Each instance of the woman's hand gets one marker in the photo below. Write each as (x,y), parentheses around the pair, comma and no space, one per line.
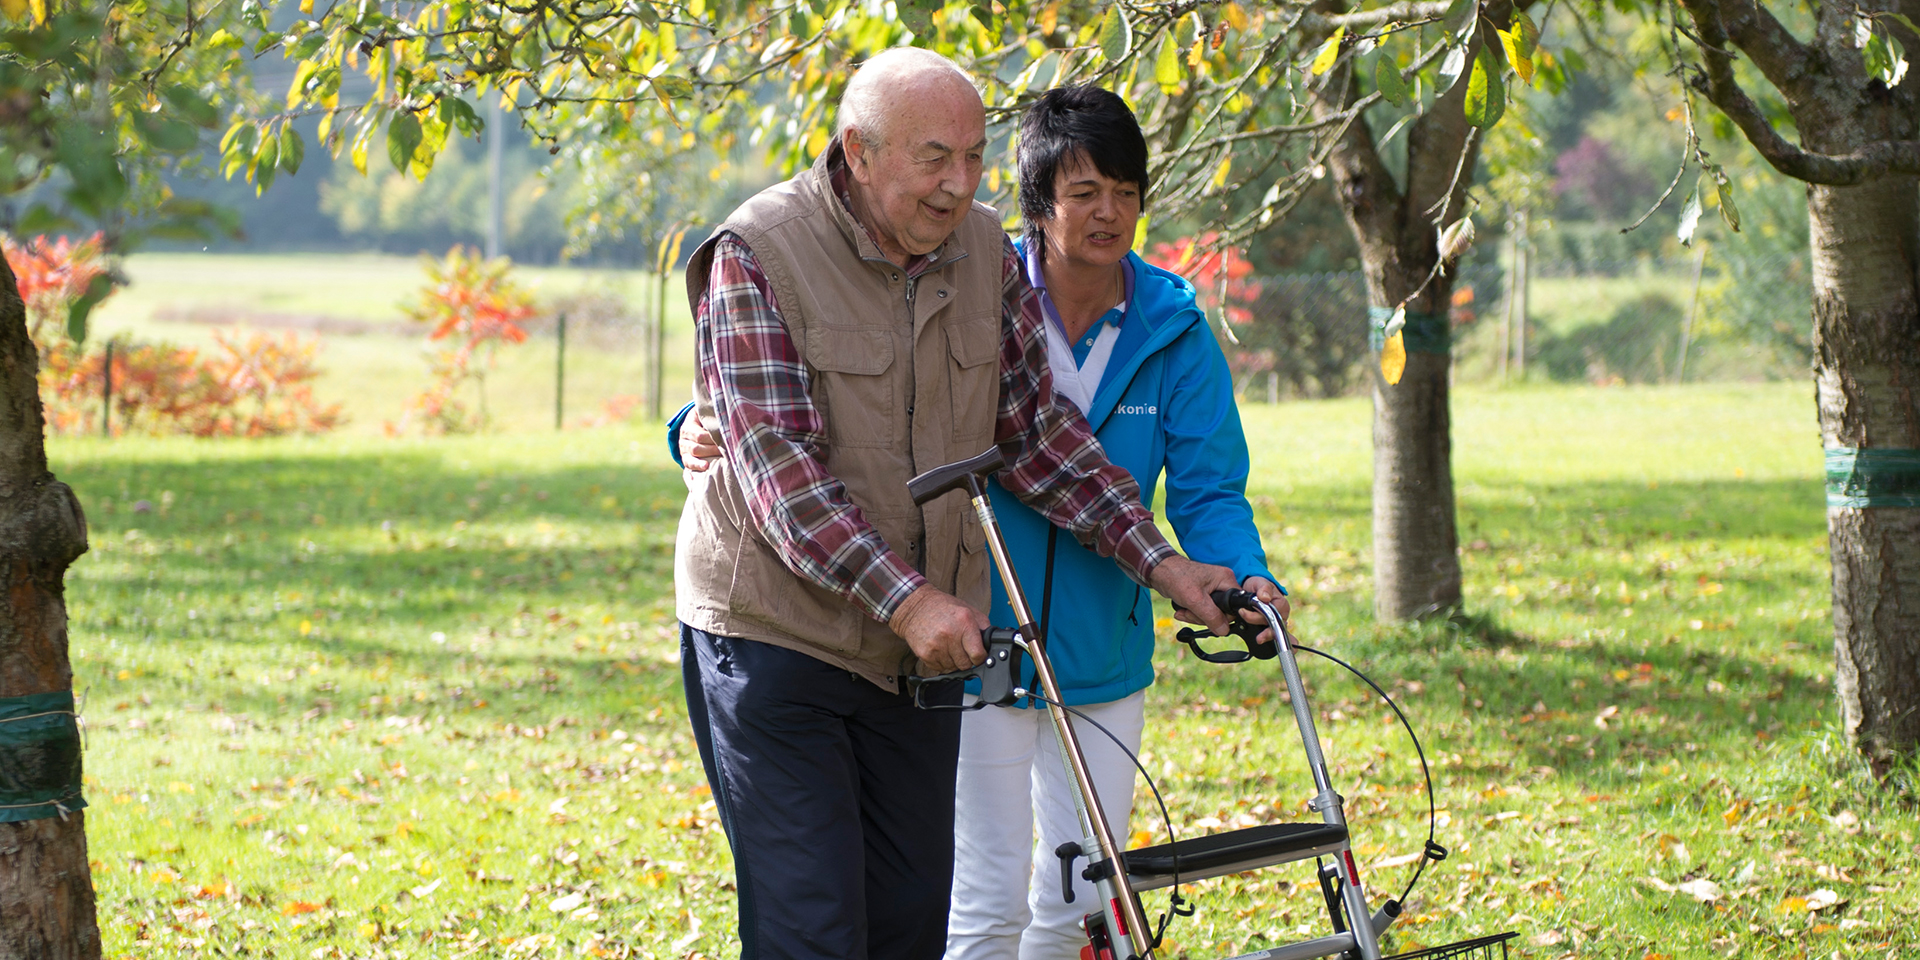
(1268,591)
(698,446)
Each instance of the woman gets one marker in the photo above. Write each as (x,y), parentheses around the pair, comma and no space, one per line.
(1129,347)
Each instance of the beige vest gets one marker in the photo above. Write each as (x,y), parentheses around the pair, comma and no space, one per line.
(906,375)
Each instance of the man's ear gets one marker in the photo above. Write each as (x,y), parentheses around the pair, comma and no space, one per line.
(859,155)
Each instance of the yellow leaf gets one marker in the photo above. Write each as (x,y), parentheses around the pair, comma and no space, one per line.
(39,12)
(1329,52)
(1220,172)
(14,9)
(817,142)
(1140,233)
(1235,16)
(306,6)
(1393,358)
(298,907)
(1517,56)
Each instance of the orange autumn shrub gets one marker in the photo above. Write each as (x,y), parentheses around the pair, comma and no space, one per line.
(249,385)
(472,305)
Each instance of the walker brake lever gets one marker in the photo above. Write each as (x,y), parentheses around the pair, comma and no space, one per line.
(1232,603)
(999,673)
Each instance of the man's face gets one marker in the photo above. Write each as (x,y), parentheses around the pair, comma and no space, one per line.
(913,190)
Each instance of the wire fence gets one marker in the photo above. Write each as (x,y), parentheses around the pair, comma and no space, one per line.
(1713,316)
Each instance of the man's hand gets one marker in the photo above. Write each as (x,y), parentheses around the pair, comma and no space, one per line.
(1190,586)
(698,446)
(942,631)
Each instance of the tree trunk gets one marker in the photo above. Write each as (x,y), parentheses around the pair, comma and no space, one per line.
(1866,330)
(1416,563)
(46,886)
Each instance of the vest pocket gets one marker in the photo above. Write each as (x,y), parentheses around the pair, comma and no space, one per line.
(851,387)
(973,344)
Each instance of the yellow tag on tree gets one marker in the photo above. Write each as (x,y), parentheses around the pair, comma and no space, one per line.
(1393,357)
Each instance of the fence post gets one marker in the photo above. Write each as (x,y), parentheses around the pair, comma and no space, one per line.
(106,394)
(560,373)
(1525,251)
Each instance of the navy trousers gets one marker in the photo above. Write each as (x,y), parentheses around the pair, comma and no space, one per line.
(837,799)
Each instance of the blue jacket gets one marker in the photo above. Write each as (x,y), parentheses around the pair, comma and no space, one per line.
(1167,407)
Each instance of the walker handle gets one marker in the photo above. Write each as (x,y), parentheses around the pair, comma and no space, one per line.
(1233,603)
(955,476)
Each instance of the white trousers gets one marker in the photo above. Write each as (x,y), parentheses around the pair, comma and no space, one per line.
(1007,901)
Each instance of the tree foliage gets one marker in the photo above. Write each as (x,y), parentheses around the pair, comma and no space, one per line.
(1224,90)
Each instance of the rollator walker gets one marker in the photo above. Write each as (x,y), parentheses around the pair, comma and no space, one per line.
(1116,927)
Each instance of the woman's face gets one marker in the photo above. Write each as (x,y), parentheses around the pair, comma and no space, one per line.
(1093,217)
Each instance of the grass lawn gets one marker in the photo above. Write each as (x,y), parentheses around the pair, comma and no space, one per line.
(368,698)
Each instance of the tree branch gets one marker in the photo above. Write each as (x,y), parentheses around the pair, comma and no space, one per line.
(1716,82)
(1780,58)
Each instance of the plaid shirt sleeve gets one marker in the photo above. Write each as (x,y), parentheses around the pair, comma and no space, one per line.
(1060,469)
(772,435)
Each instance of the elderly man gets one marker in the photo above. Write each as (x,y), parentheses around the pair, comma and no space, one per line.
(857,324)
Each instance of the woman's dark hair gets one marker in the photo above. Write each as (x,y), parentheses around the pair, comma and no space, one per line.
(1069,125)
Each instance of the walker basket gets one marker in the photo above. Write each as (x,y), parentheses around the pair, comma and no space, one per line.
(1479,948)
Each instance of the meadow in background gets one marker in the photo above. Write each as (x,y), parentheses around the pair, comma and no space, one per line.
(366,697)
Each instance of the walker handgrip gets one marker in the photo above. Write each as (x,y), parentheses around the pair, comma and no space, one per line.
(954,476)
(1233,601)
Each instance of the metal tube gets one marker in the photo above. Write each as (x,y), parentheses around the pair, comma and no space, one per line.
(1327,802)
(1087,799)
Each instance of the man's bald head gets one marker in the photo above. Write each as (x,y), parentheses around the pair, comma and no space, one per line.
(891,78)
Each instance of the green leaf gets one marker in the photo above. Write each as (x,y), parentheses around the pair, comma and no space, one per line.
(165,134)
(1166,67)
(678,88)
(1329,52)
(1386,78)
(1689,217)
(1879,60)
(1728,212)
(1459,18)
(1527,31)
(460,115)
(191,106)
(266,160)
(82,306)
(1486,91)
(917,15)
(403,137)
(236,148)
(306,46)
(1903,21)
(293,148)
(1116,34)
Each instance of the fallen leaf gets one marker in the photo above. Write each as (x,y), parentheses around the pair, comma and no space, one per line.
(298,907)
(424,890)
(1703,890)
(568,902)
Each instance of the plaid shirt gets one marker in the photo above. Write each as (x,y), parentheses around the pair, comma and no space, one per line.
(773,436)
